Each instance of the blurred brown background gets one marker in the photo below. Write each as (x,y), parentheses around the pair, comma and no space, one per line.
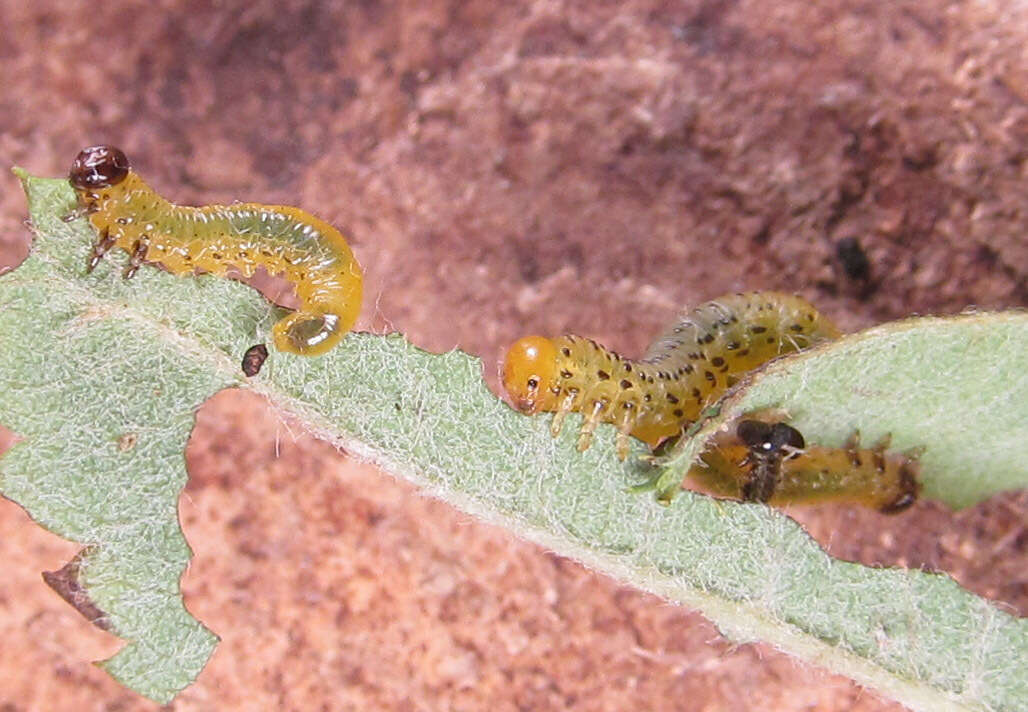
(505,168)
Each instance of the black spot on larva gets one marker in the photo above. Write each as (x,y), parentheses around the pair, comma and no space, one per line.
(626,384)
(602,375)
(565,374)
(628,368)
(647,397)
(758,329)
(710,376)
(744,352)
(688,368)
(709,338)
(718,361)
(678,413)
(671,398)
(796,327)
(696,393)
(731,345)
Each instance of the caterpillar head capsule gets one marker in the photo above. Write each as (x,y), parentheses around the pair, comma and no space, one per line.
(528,373)
(769,438)
(98,167)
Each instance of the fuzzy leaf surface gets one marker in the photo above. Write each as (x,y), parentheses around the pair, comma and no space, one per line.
(100,378)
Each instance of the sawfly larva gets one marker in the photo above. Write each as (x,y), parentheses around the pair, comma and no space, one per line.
(770,462)
(688,368)
(310,254)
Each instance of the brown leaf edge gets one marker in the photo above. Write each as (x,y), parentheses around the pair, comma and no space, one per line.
(65,582)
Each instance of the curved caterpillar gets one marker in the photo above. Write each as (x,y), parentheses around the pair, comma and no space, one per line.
(769,462)
(308,252)
(684,371)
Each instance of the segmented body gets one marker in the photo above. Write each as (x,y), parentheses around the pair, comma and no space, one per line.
(684,371)
(306,251)
(780,471)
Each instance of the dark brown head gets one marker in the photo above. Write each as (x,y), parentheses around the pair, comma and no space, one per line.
(769,438)
(98,167)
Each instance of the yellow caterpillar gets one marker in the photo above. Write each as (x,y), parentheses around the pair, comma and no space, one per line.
(684,371)
(769,462)
(308,252)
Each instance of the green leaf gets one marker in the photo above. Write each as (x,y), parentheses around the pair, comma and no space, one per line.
(956,386)
(100,378)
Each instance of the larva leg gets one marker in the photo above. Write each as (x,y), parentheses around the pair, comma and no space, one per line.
(589,423)
(621,445)
(307,333)
(100,248)
(899,475)
(137,258)
(566,406)
(852,444)
(79,211)
(625,426)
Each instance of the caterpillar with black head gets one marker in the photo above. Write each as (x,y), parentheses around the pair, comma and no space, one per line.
(685,370)
(308,252)
(761,461)
(768,444)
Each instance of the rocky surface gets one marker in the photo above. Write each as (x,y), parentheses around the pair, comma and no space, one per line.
(502,169)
